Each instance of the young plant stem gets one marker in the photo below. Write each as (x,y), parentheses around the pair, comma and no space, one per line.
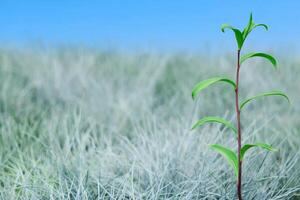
(238,119)
(236,160)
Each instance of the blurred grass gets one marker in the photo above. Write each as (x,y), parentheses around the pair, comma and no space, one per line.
(90,124)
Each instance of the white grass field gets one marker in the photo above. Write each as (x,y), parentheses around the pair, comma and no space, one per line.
(88,124)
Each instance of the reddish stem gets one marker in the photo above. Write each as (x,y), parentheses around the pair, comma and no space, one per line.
(238,118)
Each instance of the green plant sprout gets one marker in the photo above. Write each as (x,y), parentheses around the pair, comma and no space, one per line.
(236,160)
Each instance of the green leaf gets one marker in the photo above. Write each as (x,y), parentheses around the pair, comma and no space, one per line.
(272,93)
(204,84)
(229,155)
(263,25)
(237,33)
(263,55)
(216,120)
(248,28)
(246,147)
(251,25)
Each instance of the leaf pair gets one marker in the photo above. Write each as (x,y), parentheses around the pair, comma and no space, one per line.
(241,36)
(204,84)
(231,157)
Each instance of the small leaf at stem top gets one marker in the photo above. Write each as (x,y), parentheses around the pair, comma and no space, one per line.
(248,28)
(251,25)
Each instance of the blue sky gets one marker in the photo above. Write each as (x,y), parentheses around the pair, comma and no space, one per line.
(166,24)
